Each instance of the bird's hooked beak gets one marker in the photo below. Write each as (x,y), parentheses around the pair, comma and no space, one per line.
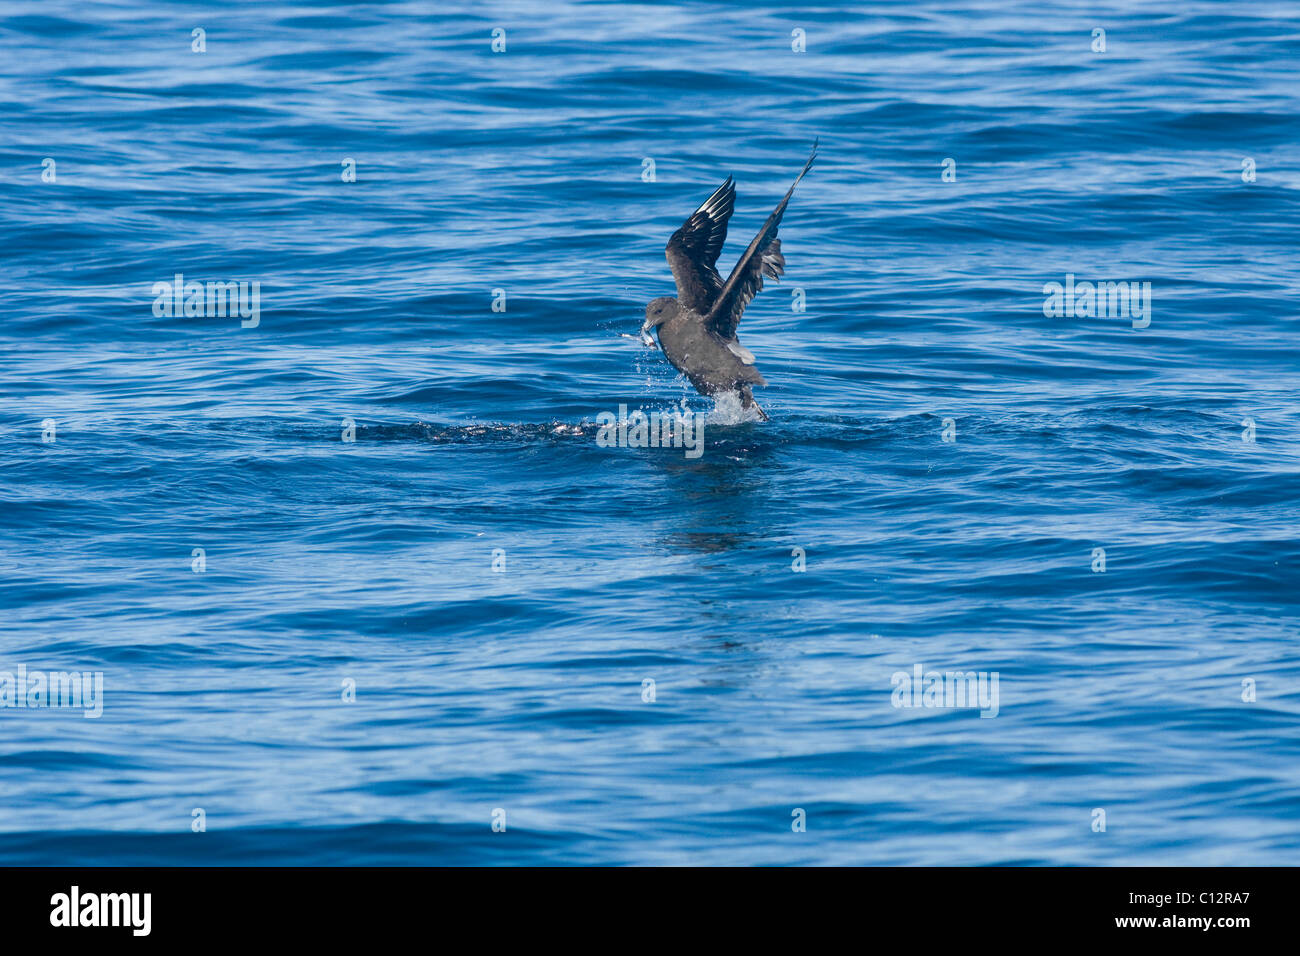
(646,339)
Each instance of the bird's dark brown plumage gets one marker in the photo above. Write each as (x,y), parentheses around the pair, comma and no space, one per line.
(697,329)
(693,250)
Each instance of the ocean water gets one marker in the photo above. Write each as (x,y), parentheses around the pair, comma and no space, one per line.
(323,651)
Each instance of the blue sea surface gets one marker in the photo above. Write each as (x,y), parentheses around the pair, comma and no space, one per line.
(629,655)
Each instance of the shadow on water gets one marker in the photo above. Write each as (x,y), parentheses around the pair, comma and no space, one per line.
(723,500)
(727,499)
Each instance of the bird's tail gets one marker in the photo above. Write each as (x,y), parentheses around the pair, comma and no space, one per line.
(747,401)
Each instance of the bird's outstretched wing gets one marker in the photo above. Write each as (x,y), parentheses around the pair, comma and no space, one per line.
(762,258)
(693,250)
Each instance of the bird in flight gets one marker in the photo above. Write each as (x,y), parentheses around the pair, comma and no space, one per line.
(697,328)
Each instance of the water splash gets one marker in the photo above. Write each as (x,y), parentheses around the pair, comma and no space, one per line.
(728,410)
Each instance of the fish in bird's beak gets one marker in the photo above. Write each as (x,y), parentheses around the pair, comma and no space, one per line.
(644,336)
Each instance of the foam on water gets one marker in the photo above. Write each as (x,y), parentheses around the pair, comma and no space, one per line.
(728,410)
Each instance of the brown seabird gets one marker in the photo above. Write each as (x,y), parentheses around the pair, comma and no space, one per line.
(697,329)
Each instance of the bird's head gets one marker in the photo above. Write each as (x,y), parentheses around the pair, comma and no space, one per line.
(658,312)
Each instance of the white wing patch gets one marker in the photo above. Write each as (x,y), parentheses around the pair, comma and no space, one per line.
(742,353)
(773,261)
